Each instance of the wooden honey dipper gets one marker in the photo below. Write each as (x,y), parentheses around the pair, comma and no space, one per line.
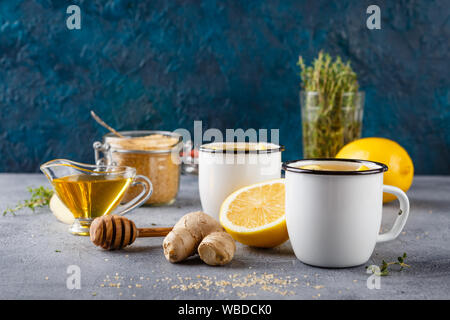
(116,232)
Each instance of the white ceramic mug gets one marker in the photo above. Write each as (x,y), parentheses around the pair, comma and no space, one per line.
(334,217)
(228,166)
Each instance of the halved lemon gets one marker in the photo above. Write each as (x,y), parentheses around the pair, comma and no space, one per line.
(254,215)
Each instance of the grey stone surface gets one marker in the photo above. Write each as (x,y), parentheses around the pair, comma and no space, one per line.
(36,250)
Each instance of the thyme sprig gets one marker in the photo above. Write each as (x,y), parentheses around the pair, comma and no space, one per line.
(40,197)
(329,78)
(384,268)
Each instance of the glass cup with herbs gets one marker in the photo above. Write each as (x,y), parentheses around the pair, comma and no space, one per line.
(331,106)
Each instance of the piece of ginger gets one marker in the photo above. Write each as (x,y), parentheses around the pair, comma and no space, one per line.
(197,232)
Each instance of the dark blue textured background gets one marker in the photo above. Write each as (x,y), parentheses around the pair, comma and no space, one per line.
(164,64)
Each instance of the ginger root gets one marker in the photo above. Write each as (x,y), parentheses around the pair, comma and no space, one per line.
(199,232)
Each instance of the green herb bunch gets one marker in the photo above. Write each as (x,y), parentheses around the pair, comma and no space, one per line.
(40,197)
(331,112)
(384,268)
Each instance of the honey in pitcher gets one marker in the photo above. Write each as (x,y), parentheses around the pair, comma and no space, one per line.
(91,196)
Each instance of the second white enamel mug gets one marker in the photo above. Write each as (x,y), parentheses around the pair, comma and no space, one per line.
(334,217)
(225,167)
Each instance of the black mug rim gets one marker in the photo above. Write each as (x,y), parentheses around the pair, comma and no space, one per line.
(275,148)
(382,167)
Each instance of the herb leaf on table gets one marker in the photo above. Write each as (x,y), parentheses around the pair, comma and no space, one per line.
(40,197)
(384,268)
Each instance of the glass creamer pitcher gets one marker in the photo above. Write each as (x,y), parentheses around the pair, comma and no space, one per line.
(91,191)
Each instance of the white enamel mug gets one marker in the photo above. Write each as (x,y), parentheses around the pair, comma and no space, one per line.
(227,166)
(334,217)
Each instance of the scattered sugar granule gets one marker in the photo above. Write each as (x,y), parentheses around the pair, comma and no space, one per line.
(318,287)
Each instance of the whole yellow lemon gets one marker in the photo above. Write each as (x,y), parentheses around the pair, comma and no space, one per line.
(401,168)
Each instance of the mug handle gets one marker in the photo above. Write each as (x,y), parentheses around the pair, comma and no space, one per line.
(141,197)
(400,221)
